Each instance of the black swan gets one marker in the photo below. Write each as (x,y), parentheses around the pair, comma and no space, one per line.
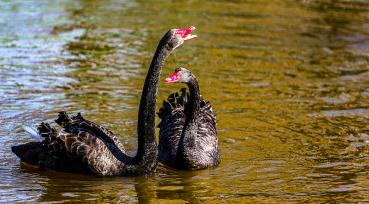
(85,147)
(188,136)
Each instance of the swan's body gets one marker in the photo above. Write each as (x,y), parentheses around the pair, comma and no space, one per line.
(83,146)
(188,136)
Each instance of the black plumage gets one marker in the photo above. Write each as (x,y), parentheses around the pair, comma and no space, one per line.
(188,136)
(82,146)
(79,146)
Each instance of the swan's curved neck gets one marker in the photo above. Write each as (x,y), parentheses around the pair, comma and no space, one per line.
(195,99)
(188,138)
(147,154)
(146,157)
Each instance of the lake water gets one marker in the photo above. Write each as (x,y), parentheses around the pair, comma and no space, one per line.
(288,80)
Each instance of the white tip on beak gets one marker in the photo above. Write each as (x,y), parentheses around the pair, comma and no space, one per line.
(189,37)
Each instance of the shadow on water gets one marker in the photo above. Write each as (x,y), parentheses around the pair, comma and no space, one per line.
(288,81)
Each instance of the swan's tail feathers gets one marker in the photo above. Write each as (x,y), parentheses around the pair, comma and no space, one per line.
(66,121)
(35,152)
(174,105)
(174,101)
(47,132)
(178,103)
(32,131)
(63,119)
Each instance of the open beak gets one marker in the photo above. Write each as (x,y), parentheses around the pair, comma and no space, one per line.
(186,33)
(172,79)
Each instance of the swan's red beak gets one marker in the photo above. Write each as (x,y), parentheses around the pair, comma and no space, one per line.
(172,79)
(186,33)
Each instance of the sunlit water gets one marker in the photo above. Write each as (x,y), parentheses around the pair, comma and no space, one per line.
(288,80)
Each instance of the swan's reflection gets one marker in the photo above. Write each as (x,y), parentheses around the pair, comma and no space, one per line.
(165,184)
(62,187)
(188,186)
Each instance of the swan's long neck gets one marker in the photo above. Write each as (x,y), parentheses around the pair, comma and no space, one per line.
(147,154)
(195,99)
(188,139)
(146,157)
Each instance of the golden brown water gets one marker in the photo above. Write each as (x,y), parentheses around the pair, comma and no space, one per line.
(288,80)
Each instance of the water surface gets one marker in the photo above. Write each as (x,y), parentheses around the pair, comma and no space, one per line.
(288,80)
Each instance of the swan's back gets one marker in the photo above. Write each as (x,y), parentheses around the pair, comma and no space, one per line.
(77,147)
(173,117)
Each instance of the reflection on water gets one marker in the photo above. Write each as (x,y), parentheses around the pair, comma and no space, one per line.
(289,81)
